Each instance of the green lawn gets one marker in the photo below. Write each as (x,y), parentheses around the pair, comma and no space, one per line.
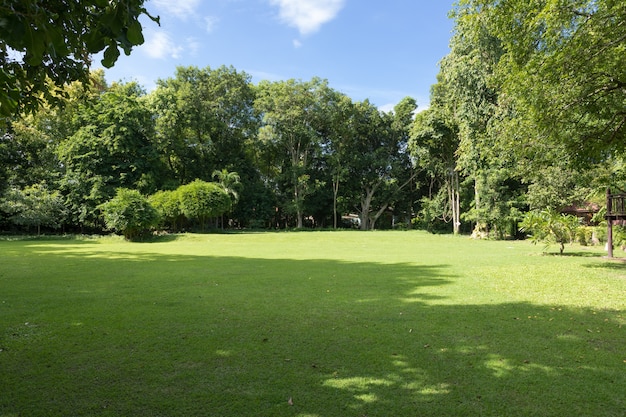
(342,323)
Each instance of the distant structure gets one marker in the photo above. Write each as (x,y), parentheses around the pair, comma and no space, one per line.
(615,210)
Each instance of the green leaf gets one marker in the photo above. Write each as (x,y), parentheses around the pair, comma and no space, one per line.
(58,46)
(110,56)
(95,42)
(34,46)
(134,34)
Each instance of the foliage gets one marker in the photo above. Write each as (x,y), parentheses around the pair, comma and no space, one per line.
(167,205)
(230,182)
(35,206)
(377,163)
(129,213)
(110,147)
(26,155)
(550,226)
(201,201)
(52,42)
(557,187)
(564,70)
(433,144)
(204,120)
(292,118)
(519,119)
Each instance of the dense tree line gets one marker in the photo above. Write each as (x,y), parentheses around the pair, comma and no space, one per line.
(285,154)
(527,114)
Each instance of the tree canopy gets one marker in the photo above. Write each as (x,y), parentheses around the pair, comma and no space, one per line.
(527,115)
(51,42)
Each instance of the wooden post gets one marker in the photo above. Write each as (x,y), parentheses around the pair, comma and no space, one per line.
(609,223)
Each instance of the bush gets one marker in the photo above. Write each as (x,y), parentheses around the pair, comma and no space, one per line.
(200,201)
(167,204)
(550,226)
(129,213)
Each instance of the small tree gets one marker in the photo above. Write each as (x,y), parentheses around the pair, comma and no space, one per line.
(550,226)
(231,183)
(167,204)
(34,206)
(200,201)
(129,213)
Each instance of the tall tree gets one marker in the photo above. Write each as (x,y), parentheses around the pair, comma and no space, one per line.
(472,97)
(377,160)
(292,114)
(337,149)
(433,146)
(112,148)
(204,121)
(564,71)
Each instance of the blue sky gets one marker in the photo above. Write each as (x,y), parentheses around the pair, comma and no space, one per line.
(367,49)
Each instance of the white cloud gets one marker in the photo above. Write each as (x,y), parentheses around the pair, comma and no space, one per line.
(180,8)
(259,75)
(307,15)
(297,43)
(193,45)
(159,45)
(387,107)
(210,23)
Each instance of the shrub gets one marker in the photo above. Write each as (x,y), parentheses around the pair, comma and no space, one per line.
(129,213)
(201,201)
(550,226)
(167,204)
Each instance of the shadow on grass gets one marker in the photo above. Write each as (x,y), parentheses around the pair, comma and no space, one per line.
(148,334)
(577,254)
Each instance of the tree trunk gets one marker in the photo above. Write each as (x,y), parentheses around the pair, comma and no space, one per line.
(366,203)
(335,193)
(377,216)
(455,203)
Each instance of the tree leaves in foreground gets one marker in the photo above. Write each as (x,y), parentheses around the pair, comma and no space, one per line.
(564,69)
(51,42)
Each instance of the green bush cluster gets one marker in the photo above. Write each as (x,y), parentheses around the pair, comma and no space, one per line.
(133,214)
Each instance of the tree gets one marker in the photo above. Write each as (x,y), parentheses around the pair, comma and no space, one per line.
(292,115)
(550,226)
(231,183)
(34,206)
(112,147)
(337,147)
(470,91)
(129,213)
(204,120)
(27,154)
(201,201)
(52,41)
(167,205)
(564,71)
(433,145)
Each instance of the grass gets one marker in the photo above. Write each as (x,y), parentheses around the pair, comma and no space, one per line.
(309,324)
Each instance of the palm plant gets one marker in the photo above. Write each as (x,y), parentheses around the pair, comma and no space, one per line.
(231,183)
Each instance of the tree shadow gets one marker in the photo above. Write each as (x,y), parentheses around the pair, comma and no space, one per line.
(617,264)
(576,254)
(180,335)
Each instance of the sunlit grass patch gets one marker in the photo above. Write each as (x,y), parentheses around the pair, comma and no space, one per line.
(340,323)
